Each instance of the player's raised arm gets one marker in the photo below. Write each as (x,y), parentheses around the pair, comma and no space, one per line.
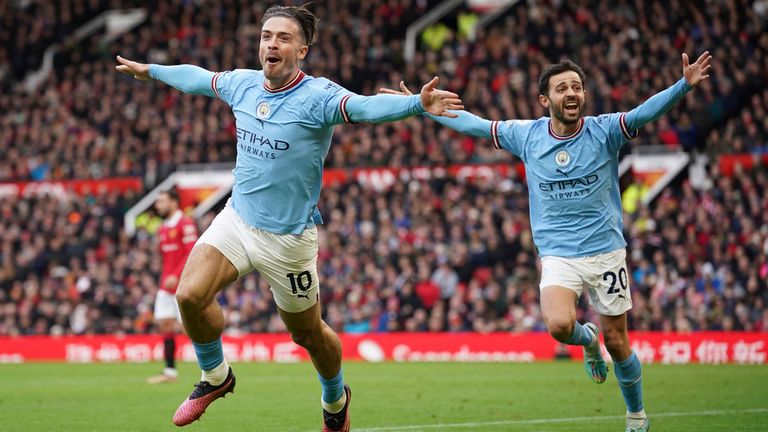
(661,102)
(383,107)
(187,78)
(461,121)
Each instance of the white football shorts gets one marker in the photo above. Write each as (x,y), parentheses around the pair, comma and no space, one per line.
(604,276)
(287,261)
(166,306)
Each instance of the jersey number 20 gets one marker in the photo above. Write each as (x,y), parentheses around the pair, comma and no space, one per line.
(622,278)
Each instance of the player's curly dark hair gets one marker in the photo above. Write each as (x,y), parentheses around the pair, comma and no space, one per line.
(303,16)
(563,66)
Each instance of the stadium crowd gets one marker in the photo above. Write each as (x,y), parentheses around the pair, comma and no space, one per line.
(436,255)
(423,256)
(28,27)
(106,126)
(745,133)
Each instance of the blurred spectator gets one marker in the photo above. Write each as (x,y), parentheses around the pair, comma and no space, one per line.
(633,195)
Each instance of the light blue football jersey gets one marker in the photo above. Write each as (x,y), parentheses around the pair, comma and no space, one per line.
(573,182)
(283,137)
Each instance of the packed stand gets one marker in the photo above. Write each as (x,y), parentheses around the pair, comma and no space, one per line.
(28,28)
(457,257)
(108,125)
(745,133)
(100,124)
(629,52)
(436,255)
(67,266)
(699,259)
(423,256)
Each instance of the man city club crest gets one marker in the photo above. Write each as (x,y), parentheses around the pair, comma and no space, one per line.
(562,158)
(263,110)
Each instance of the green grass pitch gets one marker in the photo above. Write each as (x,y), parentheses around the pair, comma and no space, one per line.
(387,397)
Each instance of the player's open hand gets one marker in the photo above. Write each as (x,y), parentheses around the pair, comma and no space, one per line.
(435,101)
(140,71)
(698,71)
(438,102)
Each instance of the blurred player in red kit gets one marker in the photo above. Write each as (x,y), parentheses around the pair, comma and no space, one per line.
(177,236)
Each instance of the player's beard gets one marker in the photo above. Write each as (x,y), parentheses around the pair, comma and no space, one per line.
(558,112)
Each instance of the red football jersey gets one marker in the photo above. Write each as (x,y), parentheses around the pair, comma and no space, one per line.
(177,235)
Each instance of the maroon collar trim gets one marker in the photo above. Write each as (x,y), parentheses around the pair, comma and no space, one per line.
(556,136)
(291,84)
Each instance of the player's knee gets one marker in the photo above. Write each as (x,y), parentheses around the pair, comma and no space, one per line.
(302,338)
(305,338)
(559,328)
(189,298)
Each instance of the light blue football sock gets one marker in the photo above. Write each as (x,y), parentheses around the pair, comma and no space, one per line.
(333,388)
(630,382)
(580,336)
(209,355)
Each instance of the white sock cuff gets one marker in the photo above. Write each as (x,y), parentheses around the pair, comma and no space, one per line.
(337,406)
(217,375)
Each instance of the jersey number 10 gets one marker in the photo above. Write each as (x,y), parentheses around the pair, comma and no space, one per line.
(302,281)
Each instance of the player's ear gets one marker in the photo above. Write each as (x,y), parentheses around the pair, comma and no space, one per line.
(544,101)
(303,52)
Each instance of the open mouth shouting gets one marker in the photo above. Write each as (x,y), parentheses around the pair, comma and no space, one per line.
(571,107)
